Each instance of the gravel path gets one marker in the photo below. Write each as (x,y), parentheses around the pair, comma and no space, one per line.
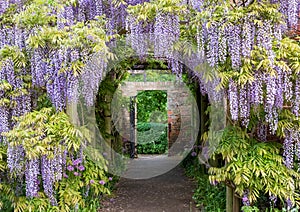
(170,192)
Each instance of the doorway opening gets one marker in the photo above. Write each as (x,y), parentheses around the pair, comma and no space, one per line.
(152,122)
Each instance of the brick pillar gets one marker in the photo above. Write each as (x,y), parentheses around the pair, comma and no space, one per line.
(179,121)
(174,122)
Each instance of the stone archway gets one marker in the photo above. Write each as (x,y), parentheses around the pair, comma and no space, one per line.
(180,113)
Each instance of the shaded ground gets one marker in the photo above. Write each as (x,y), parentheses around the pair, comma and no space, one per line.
(170,192)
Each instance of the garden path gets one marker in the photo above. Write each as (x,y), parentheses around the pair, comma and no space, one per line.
(169,192)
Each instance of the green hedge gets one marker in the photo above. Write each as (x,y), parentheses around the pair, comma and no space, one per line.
(152,138)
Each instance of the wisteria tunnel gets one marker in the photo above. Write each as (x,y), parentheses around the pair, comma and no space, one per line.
(149,105)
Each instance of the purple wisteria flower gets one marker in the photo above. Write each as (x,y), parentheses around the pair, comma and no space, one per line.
(194,154)
(245,199)
(233,100)
(76,173)
(289,204)
(77,162)
(288,148)
(70,168)
(90,37)
(81,168)
(102,182)
(92,181)
(273,199)
(214,183)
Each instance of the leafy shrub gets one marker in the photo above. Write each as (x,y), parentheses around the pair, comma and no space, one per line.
(208,197)
(254,166)
(152,138)
(142,127)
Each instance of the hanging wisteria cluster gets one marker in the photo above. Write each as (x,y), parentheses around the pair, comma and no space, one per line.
(274,87)
(162,33)
(139,35)
(236,40)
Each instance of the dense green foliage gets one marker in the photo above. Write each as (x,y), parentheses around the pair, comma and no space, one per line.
(152,76)
(152,106)
(105,95)
(255,166)
(208,197)
(152,118)
(152,138)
